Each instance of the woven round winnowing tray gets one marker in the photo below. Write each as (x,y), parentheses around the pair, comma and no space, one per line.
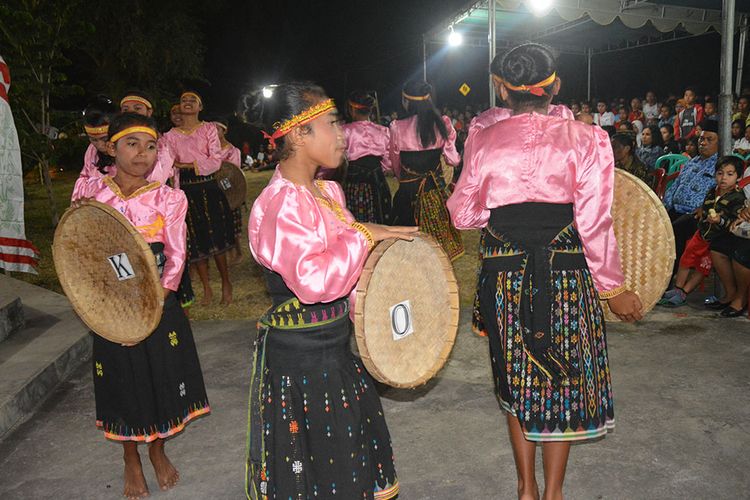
(108,272)
(232,181)
(645,238)
(406,311)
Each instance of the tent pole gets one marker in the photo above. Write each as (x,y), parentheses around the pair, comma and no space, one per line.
(725,95)
(424,57)
(588,81)
(491,38)
(741,55)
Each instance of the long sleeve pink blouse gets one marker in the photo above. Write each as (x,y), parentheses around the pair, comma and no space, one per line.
(308,241)
(200,147)
(405,137)
(537,158)
(364,138)
(231,154)
(161,172)
(496,114)
(156,211)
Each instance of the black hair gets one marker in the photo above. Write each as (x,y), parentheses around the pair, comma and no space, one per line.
(628,125)
(99,111)
(428,116)
(735,161)
(741,123)
(690,140)
(363,98)
(744,96)
(656,138)
(625,140)
(610,130)
(691,89)
(287,100)
(528,64)
(122,121)
(668,127)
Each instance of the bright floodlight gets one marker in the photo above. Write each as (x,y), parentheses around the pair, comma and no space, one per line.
(267,92)
(454,38)
(539,7)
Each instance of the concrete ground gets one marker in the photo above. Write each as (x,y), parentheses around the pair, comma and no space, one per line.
(681,401)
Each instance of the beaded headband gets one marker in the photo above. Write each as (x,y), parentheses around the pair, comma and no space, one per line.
(357,105)
(136,98)
(308,115)
(536,89)
(133,130)
(102,129)
(415,97)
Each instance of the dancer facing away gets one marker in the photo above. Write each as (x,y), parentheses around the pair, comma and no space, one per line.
(368,196)
(417,144)
(316,427)
(197,150)
(542,187)
(149,391)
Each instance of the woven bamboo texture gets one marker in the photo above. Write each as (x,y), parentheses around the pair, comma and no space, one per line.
(645,238)
(123,311)
(420,272)
(232,181)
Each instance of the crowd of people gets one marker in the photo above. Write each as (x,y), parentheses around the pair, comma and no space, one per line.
(327,205)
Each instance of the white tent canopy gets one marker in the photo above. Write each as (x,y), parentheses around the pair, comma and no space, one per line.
(589,27)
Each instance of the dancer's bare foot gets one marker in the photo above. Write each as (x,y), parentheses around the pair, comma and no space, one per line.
(208,297)
(226,294)
(135,483)
(166,474)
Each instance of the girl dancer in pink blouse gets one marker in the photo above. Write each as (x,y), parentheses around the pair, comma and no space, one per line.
(417,144)
(542,187)
(316,427)
(368,196)
(197,151)
(149,391)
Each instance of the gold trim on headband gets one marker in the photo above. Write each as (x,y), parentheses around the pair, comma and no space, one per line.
(200,101)
(306,116)
(527,88)
(102,129)
(133,130)
(136,98)
(415,97)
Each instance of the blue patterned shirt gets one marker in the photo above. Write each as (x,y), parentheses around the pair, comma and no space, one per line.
(690,187)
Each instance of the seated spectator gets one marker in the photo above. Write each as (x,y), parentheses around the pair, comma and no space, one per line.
(742,145)
(741,257)
(651,107)
(666,117)
(712,245)
(623,147)
(685,195)
(635,111)
(652,147)
(625,126)
(610,130)
(690,147)
(667,138)
(688,118)
(622,115)
(586,118)
(738,136)
(575,107)
(743,109)
(603,117)
(709,109)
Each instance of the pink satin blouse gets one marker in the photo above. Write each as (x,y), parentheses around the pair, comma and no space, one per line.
(200,147)
(494,115)
(157,212)
(404,137)
(308,241)
(537,158)
(364,138)
(231,154)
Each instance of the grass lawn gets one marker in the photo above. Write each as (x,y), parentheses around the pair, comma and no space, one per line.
(250,297)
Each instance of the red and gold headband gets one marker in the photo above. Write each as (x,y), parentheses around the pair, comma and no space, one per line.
(100,130)
(357,105)
(136,98)
(200,101)
(305,117)
(174,107)
(536,89)
(415,97)
(133,130)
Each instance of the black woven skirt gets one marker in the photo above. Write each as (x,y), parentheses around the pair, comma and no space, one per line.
(211,225)
(316,427)
(153,389)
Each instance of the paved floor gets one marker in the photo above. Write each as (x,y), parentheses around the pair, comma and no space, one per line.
(682,407)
